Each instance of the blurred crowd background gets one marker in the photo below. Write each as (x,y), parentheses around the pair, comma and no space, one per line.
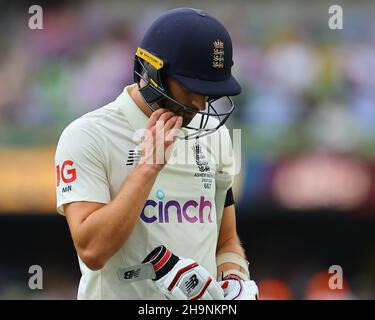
(306,192)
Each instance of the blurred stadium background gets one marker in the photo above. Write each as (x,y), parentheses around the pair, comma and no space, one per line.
(306,193)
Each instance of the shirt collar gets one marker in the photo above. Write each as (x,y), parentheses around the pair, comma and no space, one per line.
(137,119)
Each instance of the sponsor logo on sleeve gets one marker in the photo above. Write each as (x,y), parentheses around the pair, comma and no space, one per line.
(67,174)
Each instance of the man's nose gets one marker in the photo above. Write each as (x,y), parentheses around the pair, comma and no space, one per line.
(199,102)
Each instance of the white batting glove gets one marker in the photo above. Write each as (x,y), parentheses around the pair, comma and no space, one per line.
(180,278)
(237,289)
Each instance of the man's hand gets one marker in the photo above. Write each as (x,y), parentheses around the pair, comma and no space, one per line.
(182,279)
(158,138)
(238,289)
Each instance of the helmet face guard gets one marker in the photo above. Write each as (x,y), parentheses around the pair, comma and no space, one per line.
(148,68)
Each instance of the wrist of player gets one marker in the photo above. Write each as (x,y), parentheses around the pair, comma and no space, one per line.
(151,169)
(236,281)
(180,278)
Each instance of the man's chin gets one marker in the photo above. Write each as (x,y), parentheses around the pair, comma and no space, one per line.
(187,121)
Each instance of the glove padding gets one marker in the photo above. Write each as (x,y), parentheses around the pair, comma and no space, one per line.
(238,289)
(180,278)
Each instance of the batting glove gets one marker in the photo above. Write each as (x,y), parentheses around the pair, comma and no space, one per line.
(180,278)
(237,289)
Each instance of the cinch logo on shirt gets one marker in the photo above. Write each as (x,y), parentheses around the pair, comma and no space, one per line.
(164,209)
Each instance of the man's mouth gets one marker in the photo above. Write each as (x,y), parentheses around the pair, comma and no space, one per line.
(185,113)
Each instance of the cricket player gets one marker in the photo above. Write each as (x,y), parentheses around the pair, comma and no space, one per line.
(145,181)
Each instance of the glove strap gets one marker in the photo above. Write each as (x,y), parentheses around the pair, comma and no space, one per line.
(234,274)
(162,260)
(231,276)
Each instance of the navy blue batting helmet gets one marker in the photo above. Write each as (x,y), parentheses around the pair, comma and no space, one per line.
(195,49)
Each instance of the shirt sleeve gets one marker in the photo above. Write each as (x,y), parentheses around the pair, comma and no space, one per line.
(229,199)
(80,165)
(226,165)
(225,172)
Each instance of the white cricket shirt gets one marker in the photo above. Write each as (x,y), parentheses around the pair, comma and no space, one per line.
(94,156)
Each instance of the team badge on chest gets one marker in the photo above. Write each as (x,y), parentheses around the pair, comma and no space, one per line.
(203,166)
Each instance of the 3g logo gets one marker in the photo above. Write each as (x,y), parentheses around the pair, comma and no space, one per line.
(67,174)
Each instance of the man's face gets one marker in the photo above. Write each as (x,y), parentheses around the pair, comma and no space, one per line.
(185,97)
